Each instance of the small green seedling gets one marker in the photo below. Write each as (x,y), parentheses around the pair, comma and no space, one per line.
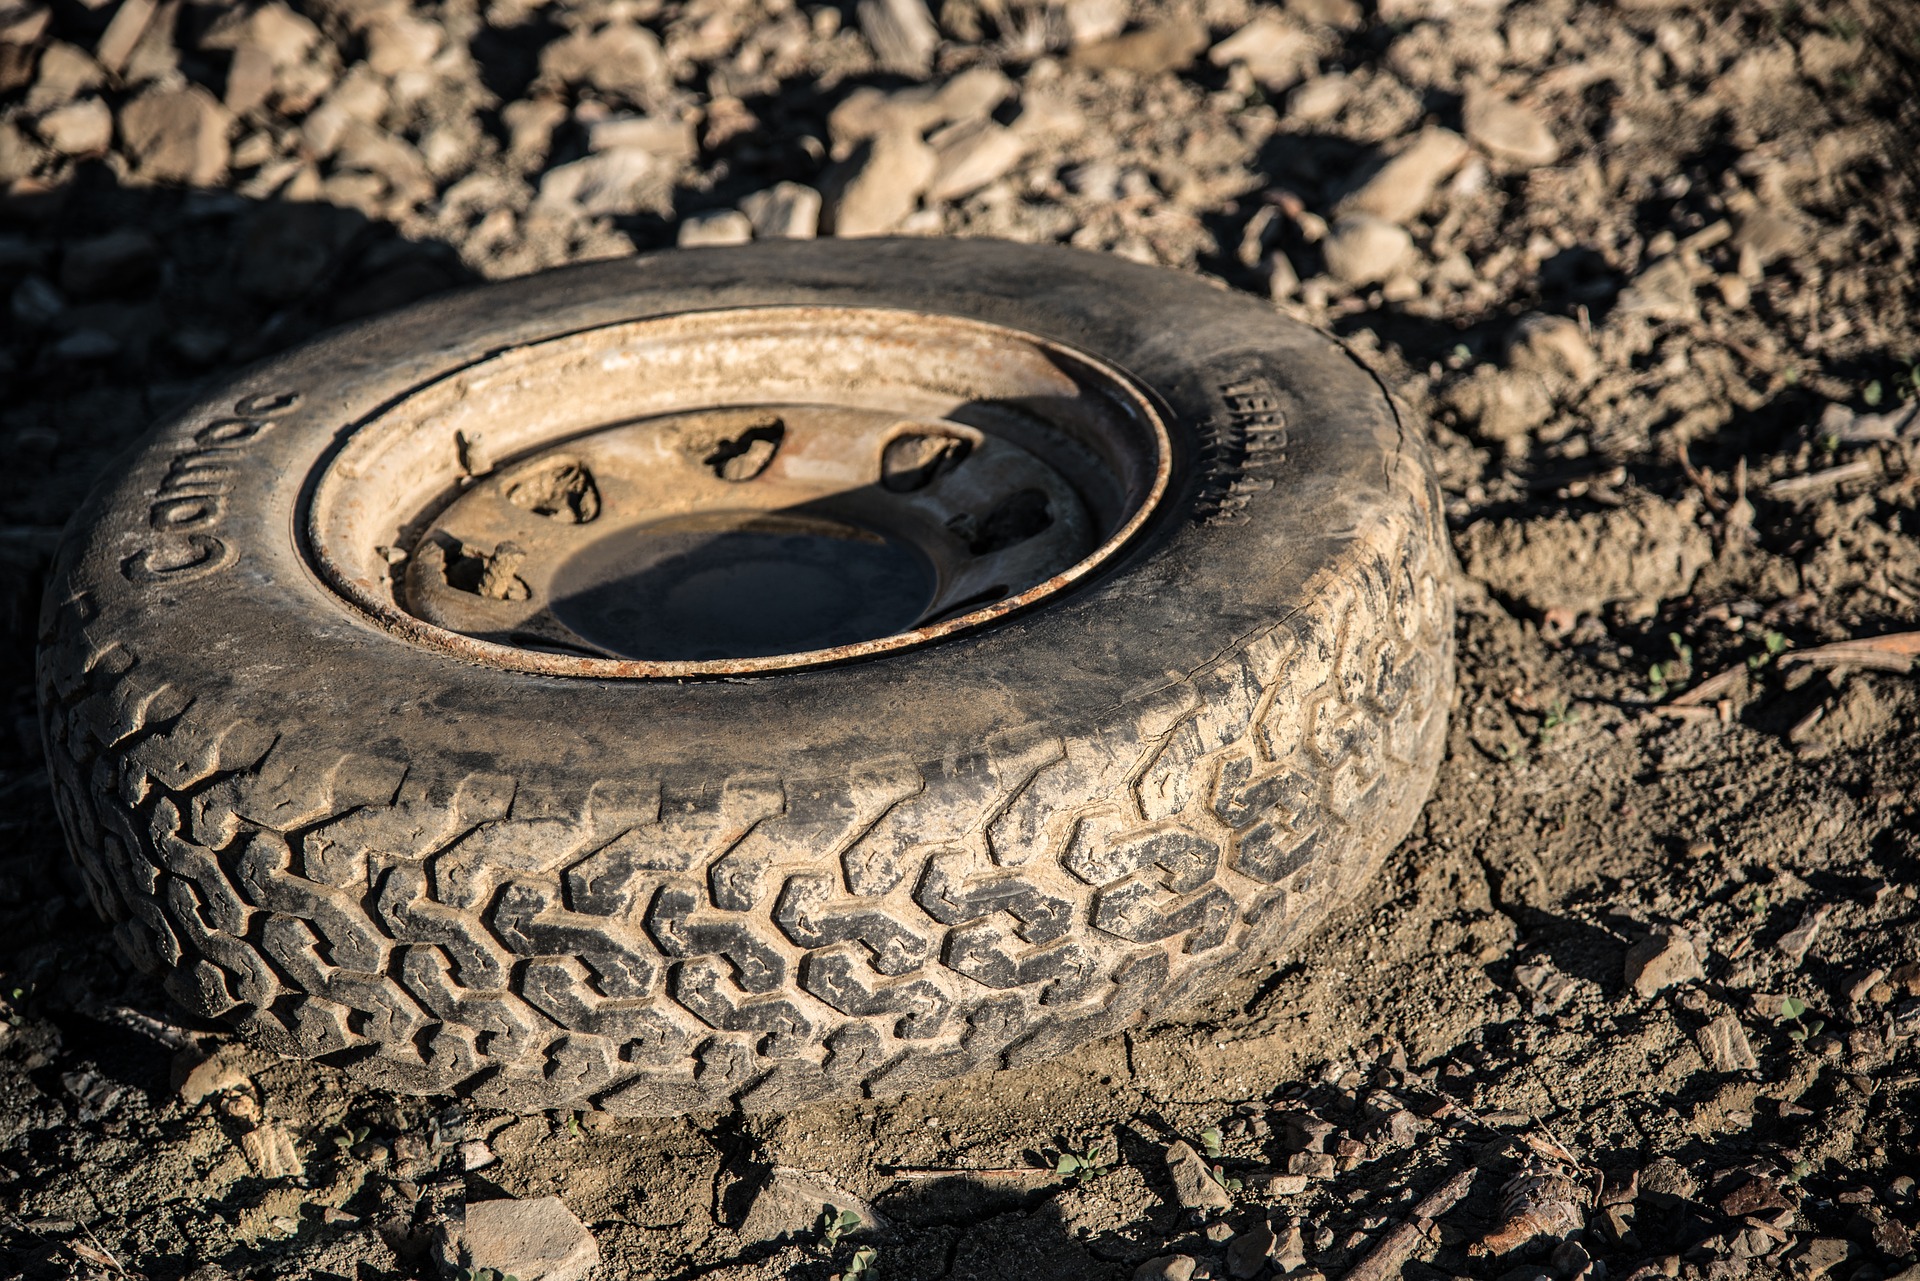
(1793,1007)
(350,1137)
(1230,1184)
(1872,394)
(1210,1142)
(861,1264)
(573,1125)
(485,1274)
(1757,903)
(834,1224)
(1775,644)
(1083,1166)
(1557,716)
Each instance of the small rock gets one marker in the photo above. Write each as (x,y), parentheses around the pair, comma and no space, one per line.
(1218,1232)
(530,125)
(1193,1183)
(1274,51)
(1660,961)
(83,128)
(1723,1043)
(1765,236)
(1363,249)
(1402,187)
(1168,1267)
(360,96)
(1247,1256)
(1758,1195)
(902,34)
(606,182)
(1272,1183)
(791,1201)
(1313,1165)
(663,136)
(1552,346)
(1820,1256)
(399,44)
(269,1150)
(970,155)
(881,185)
(1343,14)
(1090,21)
(716,227)
(1303,1131)
(784,211)
(622,59)
(1150,51)
(475,1154)
(1321,98)
(1662,291)
(1291,1253)
(1549,989)
(177,135)
(196,1074)
(1795,943)
(535,1240)
(65,73)
(1507,130)
(1666,1178)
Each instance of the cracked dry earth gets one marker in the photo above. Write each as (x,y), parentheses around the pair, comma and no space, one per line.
(1639,998)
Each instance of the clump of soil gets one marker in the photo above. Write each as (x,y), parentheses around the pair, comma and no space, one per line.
(1640,996)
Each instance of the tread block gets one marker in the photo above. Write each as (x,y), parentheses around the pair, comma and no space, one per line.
(409,914)
(986,952)
(682,930)
(834,975)
(559,987)
(1135,910)
(952,894)
(529,921)
(1102,851)
(808,915)
(700,986)
(263,873)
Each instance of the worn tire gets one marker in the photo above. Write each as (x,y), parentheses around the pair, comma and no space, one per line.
(859,879)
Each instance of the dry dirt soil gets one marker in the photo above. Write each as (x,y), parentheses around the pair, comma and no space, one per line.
(1646,976)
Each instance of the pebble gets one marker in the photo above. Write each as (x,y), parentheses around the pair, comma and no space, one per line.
(1820,1256)
(269,1150)
(1274,51)
(1662,960)
(902,34)
(1508,131)
(715,227)
(197,1074)
(790,1201)
(475,1154)
(621,59)
(1151,51)
(1089,21)
(606,182)
(971,155)
(398,44)
(1290,1254)
(1247,1256)
(1723,1043)
(177,135)
(784,211)
(1795,943)
(83,128)
(1168,1267)
(1552,346)
(882,185)
(663,136)
(1403,186)
(538,1239)
(1363,249)
(1321,98)
(1193,1183)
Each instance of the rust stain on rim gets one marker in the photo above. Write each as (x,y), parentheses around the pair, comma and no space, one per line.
(346,536)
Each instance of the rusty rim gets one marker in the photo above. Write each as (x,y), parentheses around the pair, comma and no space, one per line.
(730,492)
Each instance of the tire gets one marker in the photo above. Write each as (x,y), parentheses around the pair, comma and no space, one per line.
(856,879)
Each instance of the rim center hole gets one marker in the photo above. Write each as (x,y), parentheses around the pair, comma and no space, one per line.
(729,585)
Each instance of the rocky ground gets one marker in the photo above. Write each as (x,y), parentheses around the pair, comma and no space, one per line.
(1640,998)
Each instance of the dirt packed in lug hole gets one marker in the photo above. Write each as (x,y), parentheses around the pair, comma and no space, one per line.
(1639,998)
